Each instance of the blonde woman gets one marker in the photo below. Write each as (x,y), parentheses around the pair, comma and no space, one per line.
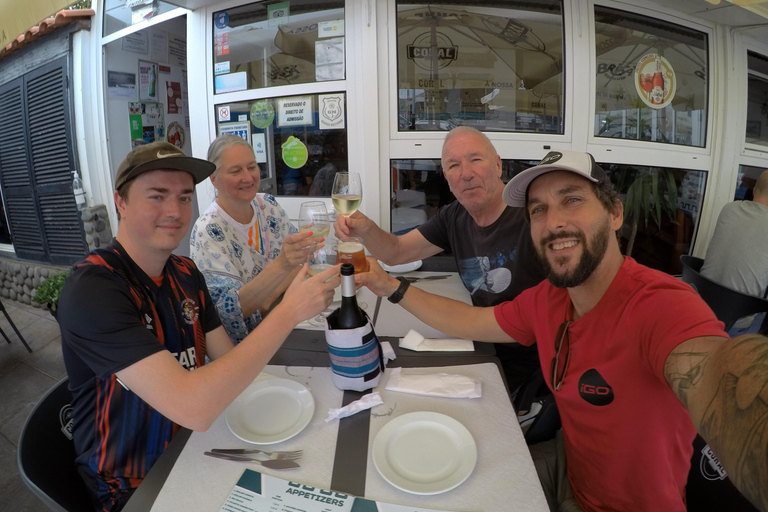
(244,243)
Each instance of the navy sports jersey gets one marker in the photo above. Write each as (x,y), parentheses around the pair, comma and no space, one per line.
(111,315)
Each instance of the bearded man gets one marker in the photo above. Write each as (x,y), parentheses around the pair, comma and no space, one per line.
(636,360)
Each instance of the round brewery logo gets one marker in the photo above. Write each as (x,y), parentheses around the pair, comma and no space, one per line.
(655,80)
(424,51)
(190,310)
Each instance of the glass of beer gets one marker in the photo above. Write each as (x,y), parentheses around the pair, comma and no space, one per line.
(351,250)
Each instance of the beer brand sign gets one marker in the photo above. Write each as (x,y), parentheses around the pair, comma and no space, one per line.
(655,80)
(423,52)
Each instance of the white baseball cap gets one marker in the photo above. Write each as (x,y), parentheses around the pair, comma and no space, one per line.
(574,161)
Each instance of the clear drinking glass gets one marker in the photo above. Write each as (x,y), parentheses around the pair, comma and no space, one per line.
(313,216)
(347,192)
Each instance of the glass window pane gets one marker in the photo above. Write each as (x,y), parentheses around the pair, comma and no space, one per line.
(757,100)
(418,190)
(658,228)
(117,14)
(302,44)
(298,150)
(496,66)
(651,79)
(745,182)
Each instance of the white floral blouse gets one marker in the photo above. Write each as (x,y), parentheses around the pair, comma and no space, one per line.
(225,258)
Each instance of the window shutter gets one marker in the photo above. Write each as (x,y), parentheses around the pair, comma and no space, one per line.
(37,183)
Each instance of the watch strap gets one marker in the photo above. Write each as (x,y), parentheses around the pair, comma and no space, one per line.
(398,295)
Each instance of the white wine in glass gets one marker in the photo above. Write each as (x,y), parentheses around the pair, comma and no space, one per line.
(313,216)
(347,192)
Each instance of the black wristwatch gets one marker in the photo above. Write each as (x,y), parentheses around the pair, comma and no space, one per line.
(398,295)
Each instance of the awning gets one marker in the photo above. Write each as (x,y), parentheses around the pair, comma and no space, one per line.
(18,16)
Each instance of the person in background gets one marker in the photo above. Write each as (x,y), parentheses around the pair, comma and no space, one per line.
(489,240)
(136,319)
(636,360)
(244,244)
(737,256)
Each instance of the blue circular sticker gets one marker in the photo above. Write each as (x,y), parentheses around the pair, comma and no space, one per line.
(221,20)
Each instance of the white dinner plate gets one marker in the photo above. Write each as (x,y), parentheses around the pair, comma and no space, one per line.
(270,411)
(424,452)
(401,269)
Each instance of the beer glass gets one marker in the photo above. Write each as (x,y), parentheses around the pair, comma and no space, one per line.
(351,250)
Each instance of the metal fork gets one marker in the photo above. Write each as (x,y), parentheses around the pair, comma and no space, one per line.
(269,463)
(276,455)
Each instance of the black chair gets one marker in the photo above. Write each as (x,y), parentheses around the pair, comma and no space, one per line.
(2,307)
(546,423)
(709,487)
(46,454)
(727,304)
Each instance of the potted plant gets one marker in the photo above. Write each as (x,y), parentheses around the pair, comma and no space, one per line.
(49,290)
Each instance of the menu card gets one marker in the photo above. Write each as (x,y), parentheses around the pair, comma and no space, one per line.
(257,492)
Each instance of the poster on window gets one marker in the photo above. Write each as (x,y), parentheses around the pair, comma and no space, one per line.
(147,80)
(147,122)
(175,101)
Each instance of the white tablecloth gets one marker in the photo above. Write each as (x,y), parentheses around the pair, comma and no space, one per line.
(393,320)
(201,483)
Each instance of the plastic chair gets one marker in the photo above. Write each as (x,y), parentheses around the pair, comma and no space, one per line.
(727,304)
(2,307)
(46,454)
(709,487)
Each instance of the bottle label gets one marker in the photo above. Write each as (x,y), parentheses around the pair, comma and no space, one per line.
(356,357)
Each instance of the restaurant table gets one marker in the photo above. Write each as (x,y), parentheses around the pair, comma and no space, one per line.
(337,453)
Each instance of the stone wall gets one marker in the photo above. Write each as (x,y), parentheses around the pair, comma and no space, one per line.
(21,279)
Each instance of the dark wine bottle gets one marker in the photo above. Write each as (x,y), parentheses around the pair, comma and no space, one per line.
(350,314)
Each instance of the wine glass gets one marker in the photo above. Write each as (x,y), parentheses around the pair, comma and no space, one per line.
(313,216)
(347,192)
(320,258)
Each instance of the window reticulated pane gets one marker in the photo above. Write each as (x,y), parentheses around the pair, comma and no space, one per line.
(757,100)
(300,142)
(651,79)
(304,44)
(496,66)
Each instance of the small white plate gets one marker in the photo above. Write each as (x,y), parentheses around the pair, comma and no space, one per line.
(270,411)
(401,269)
(424,452)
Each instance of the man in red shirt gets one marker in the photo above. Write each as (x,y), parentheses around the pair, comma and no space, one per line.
(636,360)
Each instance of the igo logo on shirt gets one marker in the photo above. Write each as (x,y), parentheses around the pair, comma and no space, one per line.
(190,310)
(594,389)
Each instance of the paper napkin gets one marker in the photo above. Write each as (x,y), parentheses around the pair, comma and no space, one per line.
(415,341)
(434,384)
(368,401)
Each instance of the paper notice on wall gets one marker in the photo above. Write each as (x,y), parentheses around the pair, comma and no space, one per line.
(159,46)
(294,111)
(331,111)
(329,59)
(177,51)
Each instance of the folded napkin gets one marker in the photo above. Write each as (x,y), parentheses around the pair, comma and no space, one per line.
(417,342)
(434,384)
(387,352)
(368,401)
